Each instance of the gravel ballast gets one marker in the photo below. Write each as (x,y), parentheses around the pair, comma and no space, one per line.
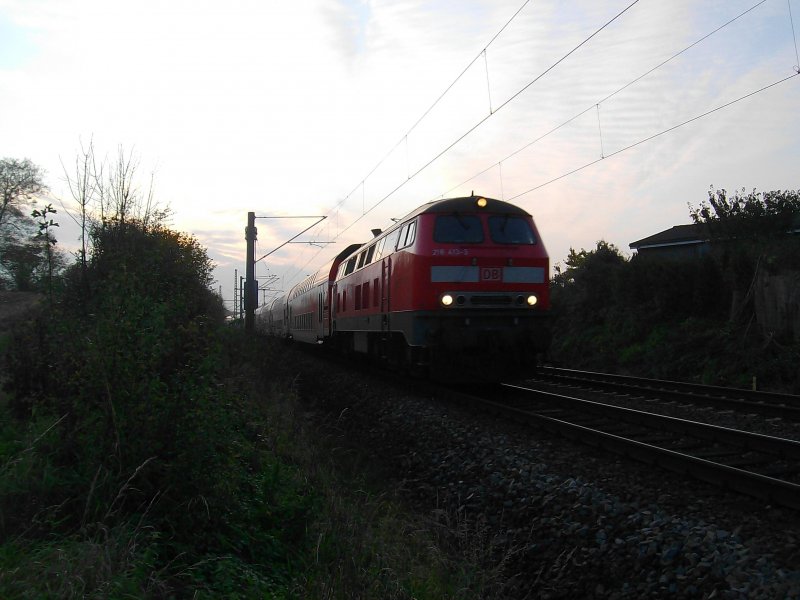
(553,518)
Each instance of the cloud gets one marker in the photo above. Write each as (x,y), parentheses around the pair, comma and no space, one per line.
(286,108)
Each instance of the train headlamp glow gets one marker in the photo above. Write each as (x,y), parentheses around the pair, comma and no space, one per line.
(482,202)
(446,300)
(532,300)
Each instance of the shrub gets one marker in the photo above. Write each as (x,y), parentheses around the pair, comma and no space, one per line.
(129,364)
(680,319)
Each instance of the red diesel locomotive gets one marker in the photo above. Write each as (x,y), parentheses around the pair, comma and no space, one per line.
(458,289)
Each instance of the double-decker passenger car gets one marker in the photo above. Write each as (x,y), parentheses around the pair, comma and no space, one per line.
(304,313)
(458,288)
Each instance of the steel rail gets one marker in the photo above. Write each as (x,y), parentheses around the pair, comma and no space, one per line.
(789,449)
(772,489)
(786,406)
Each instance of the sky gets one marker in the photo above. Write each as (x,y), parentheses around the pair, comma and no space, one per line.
(587,114)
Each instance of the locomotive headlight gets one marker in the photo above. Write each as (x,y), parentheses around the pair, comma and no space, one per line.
(532,300)
(446,300)
(481,202)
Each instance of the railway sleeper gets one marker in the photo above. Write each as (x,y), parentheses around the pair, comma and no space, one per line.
(712,453)
(656,438)
(781,470)
(749,461)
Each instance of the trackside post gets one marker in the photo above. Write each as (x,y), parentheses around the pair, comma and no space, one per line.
(250,286)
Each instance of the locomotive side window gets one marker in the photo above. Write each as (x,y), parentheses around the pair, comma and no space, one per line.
(370,254)
(401,237)
(351,265)
(511,230)
(390,243)
(458,229)
(361,258)
(407,235)
(411,235)
(379,248)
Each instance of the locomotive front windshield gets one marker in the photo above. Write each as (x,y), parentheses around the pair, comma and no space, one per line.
(458,229)
(468,229)
(511,230)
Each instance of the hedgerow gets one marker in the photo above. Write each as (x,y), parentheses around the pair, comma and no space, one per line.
(135,445)
(688,319)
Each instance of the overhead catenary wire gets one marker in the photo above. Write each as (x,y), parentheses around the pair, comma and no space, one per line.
(404,139)
(488,83)
(437,101)
(487,117)
(471,129)
(655,135)
(606,98)
(794,37)
(594,106)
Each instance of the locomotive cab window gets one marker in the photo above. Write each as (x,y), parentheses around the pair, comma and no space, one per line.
(351,265)
(511,230)
(407,235)
(370,254)
(361,258)
(458,229)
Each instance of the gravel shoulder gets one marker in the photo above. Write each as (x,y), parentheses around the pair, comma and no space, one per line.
(550,518)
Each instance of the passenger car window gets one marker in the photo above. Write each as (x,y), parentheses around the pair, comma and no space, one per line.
(458,229)
(510,230)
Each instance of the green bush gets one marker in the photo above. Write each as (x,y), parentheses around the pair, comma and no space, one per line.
(148,441)
(674,319)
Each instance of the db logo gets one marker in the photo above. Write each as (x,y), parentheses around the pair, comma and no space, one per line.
(491,274)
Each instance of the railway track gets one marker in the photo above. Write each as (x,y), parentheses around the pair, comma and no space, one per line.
(758,465)
(755,464)
(768,404)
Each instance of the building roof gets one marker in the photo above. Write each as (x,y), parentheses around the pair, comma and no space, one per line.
(679,235)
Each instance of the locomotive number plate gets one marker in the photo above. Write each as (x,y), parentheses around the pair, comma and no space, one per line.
(491,274)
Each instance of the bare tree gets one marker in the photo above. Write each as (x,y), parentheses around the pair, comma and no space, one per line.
(121,196)
(20,181)
(86,189)
(106,191)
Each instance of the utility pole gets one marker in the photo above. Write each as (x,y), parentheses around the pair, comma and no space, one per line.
(241,297)
(235,294)
(251,286)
